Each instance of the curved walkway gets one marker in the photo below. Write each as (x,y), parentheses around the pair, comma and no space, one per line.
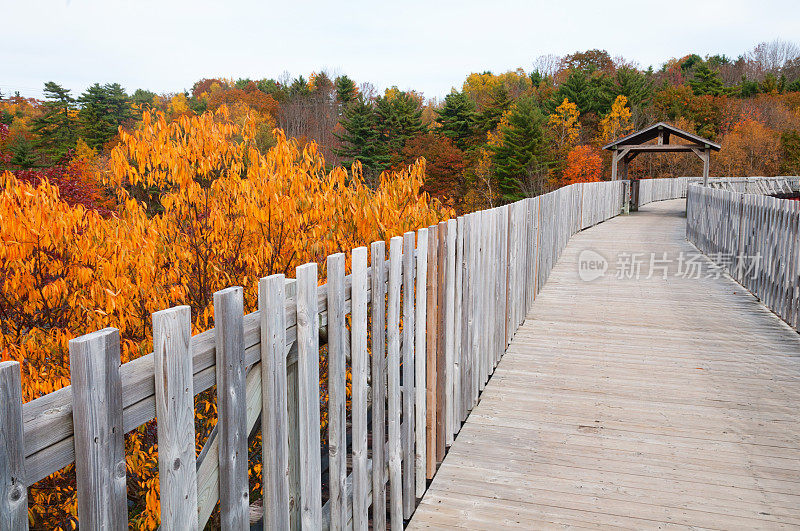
(655,400)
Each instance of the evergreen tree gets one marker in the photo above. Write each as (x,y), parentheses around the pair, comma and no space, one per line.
(634,85)
(706,81)
(524,148)
(21,149)
(590,94)
(103,109)
(399,119)
(488,119)
(346,90)
(56,129)
(747,87)
(360,138)
(143,97)
(457,119)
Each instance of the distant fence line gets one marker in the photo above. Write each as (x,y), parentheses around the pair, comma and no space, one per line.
(460,289)
(756,238)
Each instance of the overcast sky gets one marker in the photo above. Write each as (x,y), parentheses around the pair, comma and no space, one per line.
(431,46)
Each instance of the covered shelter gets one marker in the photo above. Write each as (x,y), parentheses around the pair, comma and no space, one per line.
(625,149)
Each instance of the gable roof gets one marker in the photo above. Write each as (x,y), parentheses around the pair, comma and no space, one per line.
(651,133)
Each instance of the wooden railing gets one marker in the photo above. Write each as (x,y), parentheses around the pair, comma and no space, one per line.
(426,329)
(660,189)
(756,238)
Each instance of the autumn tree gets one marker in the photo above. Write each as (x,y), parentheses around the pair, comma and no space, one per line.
(444,165)
(750,148)
(564,124)
(617,122)
(584,165)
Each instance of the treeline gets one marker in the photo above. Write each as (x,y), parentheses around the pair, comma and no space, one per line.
(499,137)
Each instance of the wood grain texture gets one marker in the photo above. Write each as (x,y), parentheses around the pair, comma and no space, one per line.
(378,380)
(408,369)
(172,334)
(430,353)
(97,418)
(449,332)
(360,368)
(234,492)
(420,363)
(337,414)
(675,419)
(13,490)
(441,345)
(274,409)
(393,373)
(308,396)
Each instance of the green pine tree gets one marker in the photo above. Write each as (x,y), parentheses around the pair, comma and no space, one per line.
(399,119)
(634,85)
(592,94)
(103,109)
(490,116)
(56,129)
(360,139)
(346,90)
(706,81)
(524,149)
(457,119)
(22,154)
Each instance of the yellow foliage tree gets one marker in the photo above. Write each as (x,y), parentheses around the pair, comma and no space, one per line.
(564,124)
(617,122)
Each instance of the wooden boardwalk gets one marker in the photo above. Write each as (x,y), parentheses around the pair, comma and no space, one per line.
(635,403)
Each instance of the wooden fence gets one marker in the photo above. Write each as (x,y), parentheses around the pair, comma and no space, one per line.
(660,189)
(426,329)
(756,238)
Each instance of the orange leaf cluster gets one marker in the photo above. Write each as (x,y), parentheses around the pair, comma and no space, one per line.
(200,209)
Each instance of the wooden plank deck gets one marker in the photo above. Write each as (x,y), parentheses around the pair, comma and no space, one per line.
(633,403)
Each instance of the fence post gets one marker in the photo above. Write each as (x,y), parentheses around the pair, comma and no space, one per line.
(97,420)
(337,413)
(450,328)
(393,370)
(430,349)
(274,407)
(13,491)
(308,396)
(174,387)
(409,365)
(420,362)
(293,419)
(378,310)
(360,368)
(234,491)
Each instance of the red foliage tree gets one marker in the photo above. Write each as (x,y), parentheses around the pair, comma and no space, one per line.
(444,167)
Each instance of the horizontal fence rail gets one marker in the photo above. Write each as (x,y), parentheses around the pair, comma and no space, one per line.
(756,238)
(421,330)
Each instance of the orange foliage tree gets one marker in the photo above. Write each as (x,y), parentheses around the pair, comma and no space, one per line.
(199,208)
(584,165)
